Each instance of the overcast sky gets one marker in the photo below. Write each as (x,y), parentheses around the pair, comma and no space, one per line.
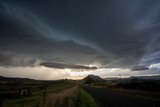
(74,38)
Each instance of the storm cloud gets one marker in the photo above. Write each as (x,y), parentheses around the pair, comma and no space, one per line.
(105,33)
(139,68)
(66,66)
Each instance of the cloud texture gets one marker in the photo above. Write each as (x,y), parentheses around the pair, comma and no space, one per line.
(106,33)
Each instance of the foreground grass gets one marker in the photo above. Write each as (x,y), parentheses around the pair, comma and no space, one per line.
(59,95)
(37,96)
(73,97)
(66,98)
(85,99)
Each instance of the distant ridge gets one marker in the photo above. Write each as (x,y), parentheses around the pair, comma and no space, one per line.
(156,77)
(2,78)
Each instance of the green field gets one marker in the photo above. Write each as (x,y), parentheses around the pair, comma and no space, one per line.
(61,93)
(70,93)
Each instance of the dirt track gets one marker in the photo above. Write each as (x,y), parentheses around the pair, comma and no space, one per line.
(107,98)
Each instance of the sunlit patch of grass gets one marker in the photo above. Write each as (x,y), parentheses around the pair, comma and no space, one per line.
(66,98)
(85,99)
(73,97)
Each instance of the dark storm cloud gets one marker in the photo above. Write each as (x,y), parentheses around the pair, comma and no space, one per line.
(63,66)
(21,44)
(118,33)
(139,68)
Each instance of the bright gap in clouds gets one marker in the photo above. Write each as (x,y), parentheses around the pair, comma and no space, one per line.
(44,73)
(111,72)
(155,66)
(40,73)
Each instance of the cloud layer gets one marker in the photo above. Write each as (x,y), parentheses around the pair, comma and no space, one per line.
(107,34)
(66,66)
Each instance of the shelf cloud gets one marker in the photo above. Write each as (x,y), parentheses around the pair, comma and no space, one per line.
(71,34)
